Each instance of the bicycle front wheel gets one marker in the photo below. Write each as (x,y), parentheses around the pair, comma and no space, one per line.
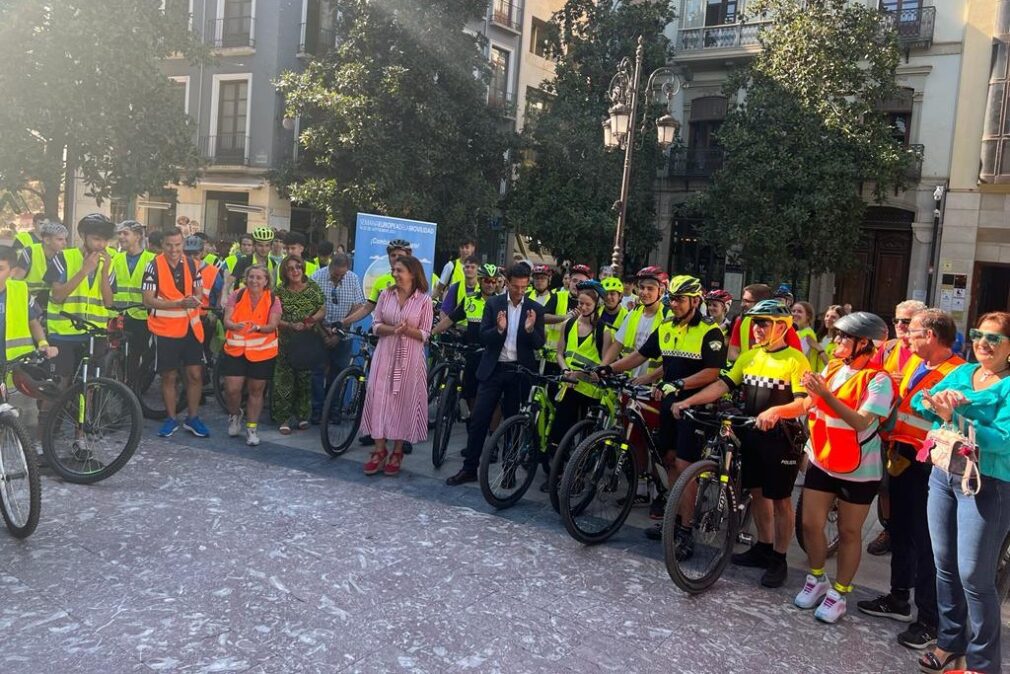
(436,384)
(598,487)
(696,560)
(830,527)
(509,462)
(571,440)
(92,430)
(20,491)
(445,417)
(342,409)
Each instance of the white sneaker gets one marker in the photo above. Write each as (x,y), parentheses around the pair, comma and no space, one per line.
(234,425)
(813,592)
(252,438)
(832,608)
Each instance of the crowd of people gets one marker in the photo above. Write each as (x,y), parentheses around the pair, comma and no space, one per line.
(863,414)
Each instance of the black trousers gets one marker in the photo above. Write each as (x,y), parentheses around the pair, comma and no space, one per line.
(911,549)
(137,335)
(509,386)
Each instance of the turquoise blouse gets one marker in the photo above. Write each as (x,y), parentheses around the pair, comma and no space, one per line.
(987,410)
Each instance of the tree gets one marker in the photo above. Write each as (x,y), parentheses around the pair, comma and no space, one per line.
(395,119)
(83,91)
(565,193)
(804,134)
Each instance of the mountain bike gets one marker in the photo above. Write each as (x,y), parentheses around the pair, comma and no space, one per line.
(599,417)
(712,491)
(20,489)
(345,399)
(448,396)
(598,483)
(93,427)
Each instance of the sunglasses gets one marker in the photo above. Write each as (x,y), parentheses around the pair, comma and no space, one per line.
(902,321)
(842,336)
(763,323)
(994,338)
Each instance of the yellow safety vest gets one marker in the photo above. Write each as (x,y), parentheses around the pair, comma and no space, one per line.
(474,308)
(681,340)
(622,315)
(37,272)
(128,285)
(813,356)
(17,332)
(553,332)
(582,355)
(457,275)
(85,301)
(26,239)
(631,331)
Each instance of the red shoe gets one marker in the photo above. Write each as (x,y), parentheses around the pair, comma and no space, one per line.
(376,462)
(393,465)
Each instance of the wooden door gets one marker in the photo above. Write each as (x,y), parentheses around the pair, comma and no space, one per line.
(879,279)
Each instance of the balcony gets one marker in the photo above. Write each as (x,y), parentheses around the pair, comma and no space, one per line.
(726,36)
(229,149)
(508,15)
(235,32)
(914,172)
(316,40)
(502,101)
(695,162)
(914,26)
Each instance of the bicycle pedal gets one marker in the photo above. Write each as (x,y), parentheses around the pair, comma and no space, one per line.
(745,538)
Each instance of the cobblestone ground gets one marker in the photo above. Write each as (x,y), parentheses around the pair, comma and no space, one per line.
(206,555)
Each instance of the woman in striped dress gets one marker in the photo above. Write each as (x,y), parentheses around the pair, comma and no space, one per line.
(396,401)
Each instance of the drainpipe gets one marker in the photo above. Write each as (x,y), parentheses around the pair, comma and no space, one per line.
(934,244)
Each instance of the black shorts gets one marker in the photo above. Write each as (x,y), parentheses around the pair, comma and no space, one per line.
(856,493)
(681,436)
(174,353)
(240,366)
(72,352)
(770,463)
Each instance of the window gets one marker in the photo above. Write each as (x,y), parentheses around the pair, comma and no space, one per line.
(506,13)
(537,103)
(719,12)
(236,23)
(180,92)
(160,210)
(900,5)
(233,102)
(499,89)
(220,219)
(898,111)
(538,37)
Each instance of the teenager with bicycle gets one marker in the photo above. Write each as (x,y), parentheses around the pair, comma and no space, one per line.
(613,314)
(21,328)
(33,259)
(641,322)
(847,403)
(540,284)
(770,377)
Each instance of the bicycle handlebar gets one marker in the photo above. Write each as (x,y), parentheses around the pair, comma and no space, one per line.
(707,418)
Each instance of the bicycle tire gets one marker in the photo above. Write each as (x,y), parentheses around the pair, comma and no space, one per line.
(445,417)
(728,519)
(113,365)
(831,526)
(347,419)
(527,457)
(571,440)
(67,466)
(25,467)
(436,381)
(597,454)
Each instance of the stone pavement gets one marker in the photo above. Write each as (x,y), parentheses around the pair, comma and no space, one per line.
(203,555)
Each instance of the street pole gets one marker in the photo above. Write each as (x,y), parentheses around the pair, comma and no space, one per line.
(617,258)
(934,244)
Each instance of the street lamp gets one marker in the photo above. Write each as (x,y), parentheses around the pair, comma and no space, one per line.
(619,128)
(934,243)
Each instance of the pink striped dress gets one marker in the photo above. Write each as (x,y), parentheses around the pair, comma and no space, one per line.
(396,401)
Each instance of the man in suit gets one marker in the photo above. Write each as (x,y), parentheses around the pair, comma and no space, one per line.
(511,331)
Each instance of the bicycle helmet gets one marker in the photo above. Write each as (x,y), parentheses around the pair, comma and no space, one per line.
(772,309)
(541,270)
(592,285)
(719,296)
(685,286)
(613,284)
(398,244)
(581,269)
(863,324)
(130,225)
(34,381)
(96,224)
(653,273)
(52,228)
(263,234)
(784,291)
(487,271)
(192,244)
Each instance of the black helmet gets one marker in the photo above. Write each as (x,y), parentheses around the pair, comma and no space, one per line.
(487,270)
(96,224)
(401,244)
(863,324)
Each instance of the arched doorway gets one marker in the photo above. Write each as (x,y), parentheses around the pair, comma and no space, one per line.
(879,279)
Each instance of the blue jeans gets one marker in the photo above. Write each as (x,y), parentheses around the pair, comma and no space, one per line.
(967,533)
(338,358)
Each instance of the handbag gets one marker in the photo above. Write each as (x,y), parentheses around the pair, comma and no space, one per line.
(305,350)
(953,450)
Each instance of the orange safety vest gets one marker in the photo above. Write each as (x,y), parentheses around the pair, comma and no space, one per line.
(835,443)
(209,275)
(892,355)
(909,428)
(173,322)
(255,346)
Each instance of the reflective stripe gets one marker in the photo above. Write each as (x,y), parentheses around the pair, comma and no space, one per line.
(169,313)
(913,420)
(85,301)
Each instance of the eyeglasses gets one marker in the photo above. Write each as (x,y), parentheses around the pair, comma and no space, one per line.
(842,336)
(902,321)
(994,338)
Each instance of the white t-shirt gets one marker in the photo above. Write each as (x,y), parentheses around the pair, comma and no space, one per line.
(445,278)
(642,333)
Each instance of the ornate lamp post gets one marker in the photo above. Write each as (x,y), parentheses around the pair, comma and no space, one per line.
(619,128)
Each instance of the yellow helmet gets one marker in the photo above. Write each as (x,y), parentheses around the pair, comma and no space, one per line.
(685,286)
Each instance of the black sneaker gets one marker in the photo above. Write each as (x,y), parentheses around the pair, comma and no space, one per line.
(777,571)
(757,557)
(408,448)
(655,532)
(887,606)
(881,545)
(366,441)
(918,637)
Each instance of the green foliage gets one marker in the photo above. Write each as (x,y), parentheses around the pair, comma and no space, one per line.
(804,138)
(395,119)
(564,195)
(83,77)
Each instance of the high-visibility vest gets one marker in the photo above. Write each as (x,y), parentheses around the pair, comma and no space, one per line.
(622,315)
(553,332)
(683,340)
(835,443)
(631,331)
(582,355)
(211,259)
(230,262)
(254,346)
(174,322)
(26,239)
(85,301)
(892,355)
(813,356)
(17,331)
(463,296)
(128,284)
(310,269)
(474,308)
(909,428)
(457,275)
(37,272)
(208,274)
(531,292)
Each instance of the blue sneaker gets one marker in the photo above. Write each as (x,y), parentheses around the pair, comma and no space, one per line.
(168,428)
(196,427)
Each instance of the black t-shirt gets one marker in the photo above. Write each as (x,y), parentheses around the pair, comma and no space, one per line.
(713,354)
(244,263)
(472,329)
(150,281)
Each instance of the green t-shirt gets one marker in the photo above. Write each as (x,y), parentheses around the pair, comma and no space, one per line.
(381,284)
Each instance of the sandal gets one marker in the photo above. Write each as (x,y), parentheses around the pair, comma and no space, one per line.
(376,461)
(285,428)
(930,663)
(303,424)
(393,465)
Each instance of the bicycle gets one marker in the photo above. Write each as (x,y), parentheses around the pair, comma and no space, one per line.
(712,490)
(603,470)
(448,396)
(20,487)
(599,417)
(93,427)
(345,399)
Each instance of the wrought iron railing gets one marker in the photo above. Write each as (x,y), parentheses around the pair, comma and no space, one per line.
(228,149)
(503,101)
(719,37)
(231,32)
(316,40)
(914,26)
(914,172)
(695,162)
(508,14)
